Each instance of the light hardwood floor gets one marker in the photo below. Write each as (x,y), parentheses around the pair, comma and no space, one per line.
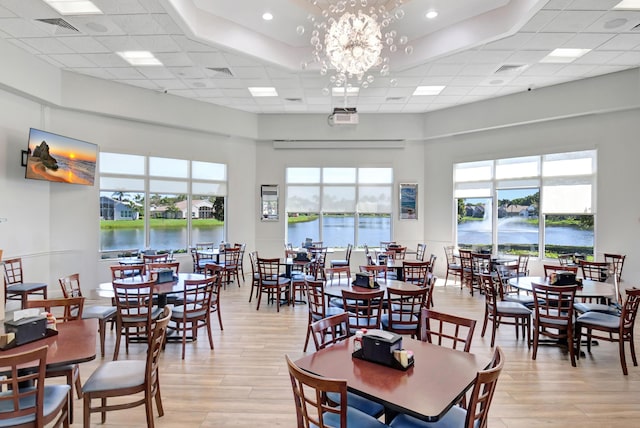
(243,382)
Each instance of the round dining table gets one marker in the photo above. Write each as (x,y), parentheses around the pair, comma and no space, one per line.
(334,289)
(588,289)
(160,289)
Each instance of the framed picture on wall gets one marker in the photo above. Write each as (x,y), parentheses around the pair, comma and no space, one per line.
(408,201)
(269,202)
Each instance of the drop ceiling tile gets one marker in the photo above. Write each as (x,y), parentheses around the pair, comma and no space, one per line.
(466,80)
(147,84)
(592,4)
(167,23)
(445,70)
(575,70)
(160,43)
(186,93)
(478,70)
(21,28)
(6,13)
(622,42)
(557,4)
(29,8)
(542,69)
(517,41)
(627,58)
(174,59)
(188,72)
(539,20)
(51,61)
(209,59)
(489,56)
(170,84)
(597,57)
(547,41)
(526,57)
(138,24)
(235,93)
(73,60)
(95,25)
(198,83)
(435,81)
(119,43)
(588,40)
(125,73)
(81,44)
(572,21)
(456,90)
(119,6)
(240,61)
(107,60)
(191,45)
(155,72)
(152,6)
(19,43)
(228,83)
(100,73)
(250,72)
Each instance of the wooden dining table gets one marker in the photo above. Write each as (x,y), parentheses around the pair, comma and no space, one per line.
(437,380)
(334,288)
(589,288)
(75,343)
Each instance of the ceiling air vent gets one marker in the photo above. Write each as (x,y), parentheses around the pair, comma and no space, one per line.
(59,22)
(393,99)
(510,68)
(635,28)
(223,71)
(294,100)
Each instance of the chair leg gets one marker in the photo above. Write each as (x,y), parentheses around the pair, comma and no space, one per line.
(148,408)
(102,324)
(116,350)
(535,341)
(306,340)
(623,359)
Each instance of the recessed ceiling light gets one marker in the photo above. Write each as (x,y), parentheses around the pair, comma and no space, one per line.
(563,56)
(267,16)
(428,90)
(431,14)
(351,91)
(139,58)
(628,4)
(263,92)
(74,7)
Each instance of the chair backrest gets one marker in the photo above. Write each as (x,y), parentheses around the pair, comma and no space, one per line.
(385,244)
(466,260)
(446,330)
(317,244)
(523,264)
(309,394)
(155,258)
(617,262)
(330,330)
(367,255)
(318,260)
(629,310)
(174,266)
(481,262)
(315,298)
(156,342)
(554,303)
(253,258)
(231,258)
(399,253)
(432,262)
(365,309)
(339,275)
(549,269)
(493,292)
(13,271)
(205,245)
(566,259)
(403,309)
(268,268)
(380,271)
(415,272)
(449,254)
(596,271)
(64,309)
(197,297)
(126,271)
(484,387)
(506,272)
(420,251)
(347,254)
(134,301)
(70,285)
(13,396)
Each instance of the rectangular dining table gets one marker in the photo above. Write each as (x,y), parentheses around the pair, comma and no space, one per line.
(427,390)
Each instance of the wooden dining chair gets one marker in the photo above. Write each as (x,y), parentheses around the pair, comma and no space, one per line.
(25,400)
(498,311)
(420,252)
(612,328)
(549,269)
(195,310)
(364,308)
(15,288)
(230,265)
(70,286)
(65,309)
(466,273)
(117,379)
(347,258)
(126,271)
(596,271)
(135,312)
(327,332)
(617,262)
(271,283)
(155,258)
(314,410)
(403,310)
(380,271)
(554,315)
(446,329)
(255,275)
(453,265)
(415,272)
(475,413)
(317,306)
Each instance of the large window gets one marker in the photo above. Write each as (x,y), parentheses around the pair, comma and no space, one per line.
(159,203)
(523,205)
(339,206)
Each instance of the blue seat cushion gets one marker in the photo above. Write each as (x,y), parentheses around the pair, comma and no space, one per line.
(114,375)
(599,319)
(596,307)
(454,418)
(54,396)
(384,320)
(365,405)
(355,418)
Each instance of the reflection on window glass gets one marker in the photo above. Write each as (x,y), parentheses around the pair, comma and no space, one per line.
(338,229)
(568,234)
(121,221)
(474,223)
(373,229)
(518,221)
(301,226)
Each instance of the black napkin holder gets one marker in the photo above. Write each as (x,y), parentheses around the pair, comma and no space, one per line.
(27,329)
(378,346)
(365,279)
(164,275)
(302,256)
(565,278)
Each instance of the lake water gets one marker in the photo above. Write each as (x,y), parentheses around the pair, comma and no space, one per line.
(161,238)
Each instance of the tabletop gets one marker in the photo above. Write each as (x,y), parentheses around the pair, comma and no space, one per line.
(105,289)
(334,289)
(74,343)
(589,288)
(427,390)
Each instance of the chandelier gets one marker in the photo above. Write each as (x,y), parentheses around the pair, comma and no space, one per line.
(351,38)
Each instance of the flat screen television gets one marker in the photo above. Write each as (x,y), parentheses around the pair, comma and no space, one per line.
(53,157)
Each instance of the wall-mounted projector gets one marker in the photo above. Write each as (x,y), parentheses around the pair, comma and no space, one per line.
(343,116)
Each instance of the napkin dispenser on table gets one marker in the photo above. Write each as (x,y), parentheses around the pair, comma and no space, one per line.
(164,275)
(365,279)
(565,278)
(27,329)
(378,346)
